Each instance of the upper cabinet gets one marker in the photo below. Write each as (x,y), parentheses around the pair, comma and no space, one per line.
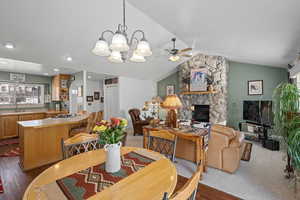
(60,89)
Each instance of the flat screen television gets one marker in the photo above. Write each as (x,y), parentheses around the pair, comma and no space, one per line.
(258,111)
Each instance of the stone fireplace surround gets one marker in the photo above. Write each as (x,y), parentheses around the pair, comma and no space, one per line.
(218,69)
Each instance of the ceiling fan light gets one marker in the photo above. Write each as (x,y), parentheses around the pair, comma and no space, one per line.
(119,43)
(174,58)
(115,57)
(143,48)
(137,58)
(101,48)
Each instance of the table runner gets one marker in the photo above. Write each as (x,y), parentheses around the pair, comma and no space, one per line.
(88,182)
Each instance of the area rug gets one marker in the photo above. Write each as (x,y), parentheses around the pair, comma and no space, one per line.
(205,192)
(88,182)
(11,153)
(247,151)
(9,141)
(1,187)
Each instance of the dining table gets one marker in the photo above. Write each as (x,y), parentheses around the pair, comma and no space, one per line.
(144,174)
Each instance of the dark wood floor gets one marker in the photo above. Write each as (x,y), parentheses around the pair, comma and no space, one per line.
(205,192)
(15,181)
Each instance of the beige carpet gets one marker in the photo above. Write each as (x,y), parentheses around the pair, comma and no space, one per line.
(261,178)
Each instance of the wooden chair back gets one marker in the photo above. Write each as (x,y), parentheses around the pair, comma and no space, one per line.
(163,142)
(91,122)
(80,143)
(189,190)
(99,116)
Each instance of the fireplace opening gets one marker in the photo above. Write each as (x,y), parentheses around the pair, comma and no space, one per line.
(201,113)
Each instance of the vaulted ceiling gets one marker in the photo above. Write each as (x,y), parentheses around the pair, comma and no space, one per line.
(263,32)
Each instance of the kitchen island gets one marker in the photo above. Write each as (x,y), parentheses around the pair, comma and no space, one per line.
(40,140)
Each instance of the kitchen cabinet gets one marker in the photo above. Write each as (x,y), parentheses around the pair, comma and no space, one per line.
(8,126)
(60,90)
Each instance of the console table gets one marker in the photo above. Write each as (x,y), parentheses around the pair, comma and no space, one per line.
(190,146)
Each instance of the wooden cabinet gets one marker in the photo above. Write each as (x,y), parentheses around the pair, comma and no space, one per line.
(8,123)
(8,126)
(60,90)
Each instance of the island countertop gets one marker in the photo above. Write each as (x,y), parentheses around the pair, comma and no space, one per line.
(52,121)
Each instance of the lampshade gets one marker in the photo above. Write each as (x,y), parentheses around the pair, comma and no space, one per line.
(137,58)
(172,102)
(101,48)
(143,48)
(174,58)
(115,57)
(119,43)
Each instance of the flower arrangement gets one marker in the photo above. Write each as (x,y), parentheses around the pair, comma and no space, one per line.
(111,132)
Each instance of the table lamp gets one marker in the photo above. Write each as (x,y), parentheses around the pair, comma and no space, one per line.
(172,102)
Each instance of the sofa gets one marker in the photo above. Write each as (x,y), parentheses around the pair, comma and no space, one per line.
(137,123)
(225,148)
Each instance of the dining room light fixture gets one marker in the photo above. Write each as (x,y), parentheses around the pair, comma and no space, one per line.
(121,48)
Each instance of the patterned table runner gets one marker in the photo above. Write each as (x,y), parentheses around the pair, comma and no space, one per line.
(88,182)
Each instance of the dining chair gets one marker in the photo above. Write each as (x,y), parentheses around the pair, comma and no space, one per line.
(205,145)
(163,142)
(80,143)
(189,189)
(85,129)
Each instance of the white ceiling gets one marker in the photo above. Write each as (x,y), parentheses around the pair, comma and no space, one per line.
(258,31)
(263,32)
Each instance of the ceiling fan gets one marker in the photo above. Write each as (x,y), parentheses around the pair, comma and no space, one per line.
(176,54)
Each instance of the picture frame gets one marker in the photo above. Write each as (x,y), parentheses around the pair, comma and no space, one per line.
(96,96)
(89,98)
(255,87)
(102,99)
(170,90)
(198,79)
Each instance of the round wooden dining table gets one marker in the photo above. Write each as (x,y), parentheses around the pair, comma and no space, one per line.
(148,183)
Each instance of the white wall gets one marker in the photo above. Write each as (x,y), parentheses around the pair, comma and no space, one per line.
(133,93)
(91,87)
(76,103)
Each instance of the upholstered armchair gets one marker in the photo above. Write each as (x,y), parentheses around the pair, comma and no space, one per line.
(136,121)
(225,148)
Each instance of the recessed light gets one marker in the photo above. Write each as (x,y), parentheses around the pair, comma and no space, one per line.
(89,77)
(9,45)
(46,74)
(69,58)
(56,70)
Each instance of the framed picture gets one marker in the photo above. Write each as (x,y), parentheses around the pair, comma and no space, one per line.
(255,87)
(97,96)
(102,99)
(170,89)
(198,81)
(89,98)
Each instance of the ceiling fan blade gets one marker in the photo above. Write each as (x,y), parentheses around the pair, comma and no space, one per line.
(185,55)
(185,50)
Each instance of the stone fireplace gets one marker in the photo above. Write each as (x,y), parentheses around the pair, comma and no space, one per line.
(218,70)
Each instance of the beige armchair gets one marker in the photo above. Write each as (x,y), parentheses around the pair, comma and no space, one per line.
(225,148)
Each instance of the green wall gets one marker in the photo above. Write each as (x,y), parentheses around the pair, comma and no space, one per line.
(30,78)
(239,74)
(172,79)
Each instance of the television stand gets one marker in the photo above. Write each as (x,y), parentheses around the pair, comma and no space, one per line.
(262,129)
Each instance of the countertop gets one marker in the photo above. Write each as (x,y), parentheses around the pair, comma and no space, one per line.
(52,121)
(31,112)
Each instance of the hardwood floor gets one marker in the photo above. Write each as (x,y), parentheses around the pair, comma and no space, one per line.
(205,192)
(16,181)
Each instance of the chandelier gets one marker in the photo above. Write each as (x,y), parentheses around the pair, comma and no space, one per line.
(121,47)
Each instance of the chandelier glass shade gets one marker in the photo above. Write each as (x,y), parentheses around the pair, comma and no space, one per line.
(121,48)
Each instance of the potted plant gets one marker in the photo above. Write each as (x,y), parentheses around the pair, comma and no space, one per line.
(110,135)
(287,125)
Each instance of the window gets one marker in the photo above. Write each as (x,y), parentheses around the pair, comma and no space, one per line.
(21,94)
